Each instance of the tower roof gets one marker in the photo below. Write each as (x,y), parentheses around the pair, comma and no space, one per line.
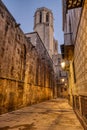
(44,9)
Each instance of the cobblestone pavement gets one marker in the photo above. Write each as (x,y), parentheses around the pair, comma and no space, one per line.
(54,114)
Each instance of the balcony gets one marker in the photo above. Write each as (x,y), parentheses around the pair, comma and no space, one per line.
(62,51)
(68,38)
(67,49)
(71,4)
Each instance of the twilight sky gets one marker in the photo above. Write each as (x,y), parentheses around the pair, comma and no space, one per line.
(23,11)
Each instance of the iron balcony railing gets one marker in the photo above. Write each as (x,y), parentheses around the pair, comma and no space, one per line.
(67,48)
(84,107)
(68,39)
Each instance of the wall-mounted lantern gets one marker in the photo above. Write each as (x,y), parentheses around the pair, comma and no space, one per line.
(65,65)
(62,80)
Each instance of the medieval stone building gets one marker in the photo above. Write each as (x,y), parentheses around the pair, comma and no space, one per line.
(60,77)
(26,69)
(74,52)
(43,25)
(28,62)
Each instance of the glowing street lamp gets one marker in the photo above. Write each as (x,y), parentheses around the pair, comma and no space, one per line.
(62,80)
(63,64)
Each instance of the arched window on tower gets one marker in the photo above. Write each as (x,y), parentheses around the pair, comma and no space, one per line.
(40,17)
(47,17)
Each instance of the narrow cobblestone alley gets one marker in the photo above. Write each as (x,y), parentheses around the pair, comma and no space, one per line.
(54,114)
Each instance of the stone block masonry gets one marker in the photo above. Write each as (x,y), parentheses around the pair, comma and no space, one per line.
(26,71)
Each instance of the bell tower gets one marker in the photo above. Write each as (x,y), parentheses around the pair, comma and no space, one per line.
(43,24)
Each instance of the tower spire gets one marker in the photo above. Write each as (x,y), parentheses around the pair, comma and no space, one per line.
(43,24)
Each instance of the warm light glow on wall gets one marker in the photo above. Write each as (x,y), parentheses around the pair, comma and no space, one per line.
(65,84)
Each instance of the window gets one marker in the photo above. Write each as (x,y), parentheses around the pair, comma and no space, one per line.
(74,73)
(40,17)
(47,17)
(59,60)
(59,73)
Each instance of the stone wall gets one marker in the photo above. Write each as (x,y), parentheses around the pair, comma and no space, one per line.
(78,64)
(80,56)
(80,60)
(25,78)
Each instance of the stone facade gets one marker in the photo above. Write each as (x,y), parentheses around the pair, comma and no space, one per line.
(26,70)
(60,76)
(43,24)
(44,55)
(78,64)
(70,25)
